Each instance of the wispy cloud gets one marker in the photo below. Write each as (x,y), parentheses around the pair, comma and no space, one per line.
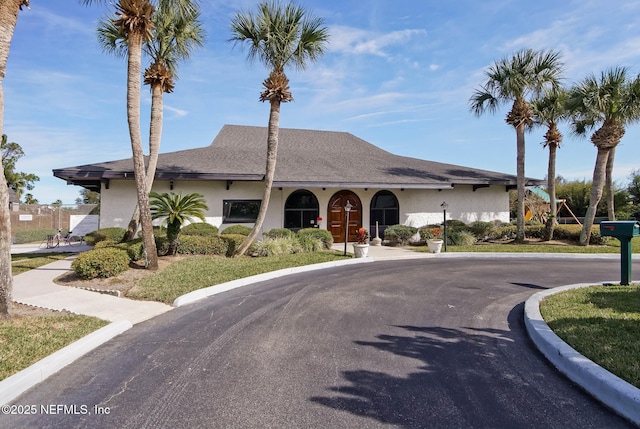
(355,41)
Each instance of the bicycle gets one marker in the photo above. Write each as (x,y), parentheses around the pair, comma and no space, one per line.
(73,240)
(53,241)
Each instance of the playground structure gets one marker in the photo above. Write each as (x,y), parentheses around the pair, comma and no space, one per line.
(537,206)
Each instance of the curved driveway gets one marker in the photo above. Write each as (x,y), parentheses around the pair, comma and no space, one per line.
(430,343)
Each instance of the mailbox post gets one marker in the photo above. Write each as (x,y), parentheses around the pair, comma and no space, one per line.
(623,231)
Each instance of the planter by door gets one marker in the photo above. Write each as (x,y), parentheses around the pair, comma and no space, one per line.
(336,217)
(435,245)
(360,250)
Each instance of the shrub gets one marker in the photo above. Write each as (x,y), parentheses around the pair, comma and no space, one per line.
(507,232)
(33,235)
(454,224)
(236,229)
(321,234)
(279,232)
(459,237)
(572,233)
(277,246)
(400,233)
(101,263)
(105,243)
(114,233)
(309,244)
(480,229)
(430,232)
(200,229)
(199,245)
(234,241)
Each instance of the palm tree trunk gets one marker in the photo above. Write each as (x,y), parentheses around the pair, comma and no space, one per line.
(611,211)
(520,178)
(133,118)
(155,135)
(8,20)
(551,190)
(272,151)
(596,194)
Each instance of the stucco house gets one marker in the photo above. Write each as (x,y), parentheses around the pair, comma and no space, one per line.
(317,173)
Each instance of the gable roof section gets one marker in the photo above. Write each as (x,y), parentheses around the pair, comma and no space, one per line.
(306,158)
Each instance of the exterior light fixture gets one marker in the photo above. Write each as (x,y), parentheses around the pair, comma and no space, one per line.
(444,206)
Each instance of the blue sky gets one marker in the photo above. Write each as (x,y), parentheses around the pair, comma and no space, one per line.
(398,74)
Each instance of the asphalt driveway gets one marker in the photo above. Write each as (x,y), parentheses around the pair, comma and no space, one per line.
(408,343)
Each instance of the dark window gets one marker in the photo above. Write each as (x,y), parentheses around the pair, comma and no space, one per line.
(385,210)
(301,210)
(240,211)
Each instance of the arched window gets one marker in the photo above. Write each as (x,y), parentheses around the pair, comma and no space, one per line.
(385,210)
(301,210)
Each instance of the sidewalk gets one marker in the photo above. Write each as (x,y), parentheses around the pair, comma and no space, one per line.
(36,288)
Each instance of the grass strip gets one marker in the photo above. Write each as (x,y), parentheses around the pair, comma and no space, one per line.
(203,271)
(24,262)
(602,323)
(26,340)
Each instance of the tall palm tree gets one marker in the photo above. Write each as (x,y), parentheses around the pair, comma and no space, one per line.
(610,102)
(548,110)
(8,19)
(527,73)
(177,32)
(175,209)
(279,36)
(134,21)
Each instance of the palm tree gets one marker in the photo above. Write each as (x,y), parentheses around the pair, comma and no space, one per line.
(175,210)
(611,102)
(177,31)
(134,21)
(8,19)
(548,110)
(514,79)
(279,36)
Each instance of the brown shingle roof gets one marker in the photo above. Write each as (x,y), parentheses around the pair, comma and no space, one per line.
(306,158)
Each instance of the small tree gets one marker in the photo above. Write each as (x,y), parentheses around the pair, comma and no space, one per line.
(175,209)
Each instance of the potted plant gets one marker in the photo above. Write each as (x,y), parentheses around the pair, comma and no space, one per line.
(361,246)
(434,242)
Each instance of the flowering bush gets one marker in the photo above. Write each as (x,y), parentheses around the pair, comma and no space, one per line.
(362,236)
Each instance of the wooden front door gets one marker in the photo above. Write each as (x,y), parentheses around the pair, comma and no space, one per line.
(337,217)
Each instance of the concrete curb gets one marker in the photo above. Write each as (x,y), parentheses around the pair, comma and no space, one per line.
(14,386)
(616,393)
(199,294)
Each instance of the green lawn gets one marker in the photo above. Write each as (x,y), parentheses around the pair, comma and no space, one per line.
(199,272)
(602,323)
(26,340)
(23,262)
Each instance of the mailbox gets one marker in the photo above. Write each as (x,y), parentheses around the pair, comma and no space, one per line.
(620,229)
(624,231)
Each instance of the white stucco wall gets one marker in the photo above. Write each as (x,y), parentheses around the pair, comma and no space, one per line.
(417,207)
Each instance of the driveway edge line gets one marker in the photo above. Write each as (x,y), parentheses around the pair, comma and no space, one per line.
(616,393)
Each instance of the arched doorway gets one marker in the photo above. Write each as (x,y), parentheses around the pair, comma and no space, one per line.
(301,210)
(385,210)
(337,218)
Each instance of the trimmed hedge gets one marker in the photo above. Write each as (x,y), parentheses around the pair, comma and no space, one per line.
(234,241)
(114,233)
(199,245)
(101,263)
(279,233)
(236,229)
(199,229)
(321,234)
(400,233)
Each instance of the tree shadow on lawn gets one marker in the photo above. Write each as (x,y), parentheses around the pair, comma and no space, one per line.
(467,378)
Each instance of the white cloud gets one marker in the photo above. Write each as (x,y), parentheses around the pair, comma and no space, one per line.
(356,41)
